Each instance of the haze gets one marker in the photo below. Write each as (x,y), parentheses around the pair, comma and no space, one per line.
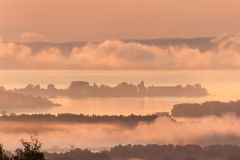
(98,20)
(203,131)
(98,74)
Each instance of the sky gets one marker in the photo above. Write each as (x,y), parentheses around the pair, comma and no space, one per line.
(91,20)
(121,55)
(111,22)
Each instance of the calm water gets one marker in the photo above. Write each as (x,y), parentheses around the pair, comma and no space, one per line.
(223,85)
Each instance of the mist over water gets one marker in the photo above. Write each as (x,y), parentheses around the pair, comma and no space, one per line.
(119,80)
(221,84)
(202,131)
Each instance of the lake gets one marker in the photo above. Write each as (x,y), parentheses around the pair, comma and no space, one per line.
(223,85)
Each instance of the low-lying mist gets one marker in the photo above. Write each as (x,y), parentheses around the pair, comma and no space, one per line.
(203,131)
(117,54)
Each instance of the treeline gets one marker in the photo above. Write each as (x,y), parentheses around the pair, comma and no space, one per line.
(85,89)
(16,101)
(188,110)
(206,109)
(153,152)
(81,118)
(31,150)
(191,110)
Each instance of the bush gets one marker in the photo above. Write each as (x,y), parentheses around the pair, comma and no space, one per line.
(31,150)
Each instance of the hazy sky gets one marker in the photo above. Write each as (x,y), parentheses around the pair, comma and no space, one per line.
(102,19)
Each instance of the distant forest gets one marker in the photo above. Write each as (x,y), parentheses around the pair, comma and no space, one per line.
(79,89)
(153,152)
(215,108)
(131,120)
(16,101)
(185,110)
(32,150)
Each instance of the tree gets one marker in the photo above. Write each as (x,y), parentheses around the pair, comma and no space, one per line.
(31,150)
(3,156)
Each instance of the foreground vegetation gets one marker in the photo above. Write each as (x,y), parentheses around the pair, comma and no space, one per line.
(31,150)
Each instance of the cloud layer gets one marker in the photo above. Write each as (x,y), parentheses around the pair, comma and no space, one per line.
(32,36)
(116,54)
(203,131)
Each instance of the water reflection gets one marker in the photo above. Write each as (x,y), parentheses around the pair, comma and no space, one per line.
(126,106)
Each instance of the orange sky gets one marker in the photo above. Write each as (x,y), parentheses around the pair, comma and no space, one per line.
(103,19)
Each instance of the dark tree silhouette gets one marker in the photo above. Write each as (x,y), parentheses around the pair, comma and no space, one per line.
(153,152)
(31,150)
(128,121)
(208,108)
(3,156)
(78,89)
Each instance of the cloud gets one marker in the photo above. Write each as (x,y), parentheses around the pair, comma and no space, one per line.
(32,36)
(116,54)
(203,131)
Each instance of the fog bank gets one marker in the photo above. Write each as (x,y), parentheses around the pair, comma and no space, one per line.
(117,54)
(203,131)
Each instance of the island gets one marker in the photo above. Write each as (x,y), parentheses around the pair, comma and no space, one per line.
(79,89)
